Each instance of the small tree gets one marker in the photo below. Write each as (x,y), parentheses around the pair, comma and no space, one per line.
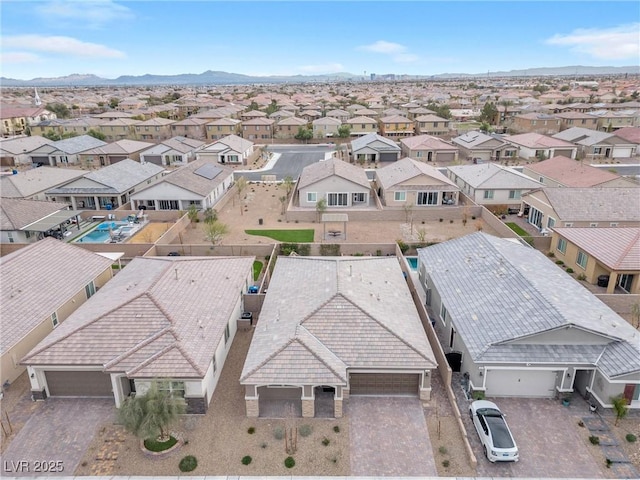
(321,207)
(150,416)
(489,113)
(620,407)
(283,204)
(241,185)
(214,231)
(344,131)
(305,134)
(192,213)
(96,134)
(287,184)
(210,215)
(114,102)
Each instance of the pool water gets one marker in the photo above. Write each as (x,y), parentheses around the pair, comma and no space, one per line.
(97,236)
(106,226)
(413,263)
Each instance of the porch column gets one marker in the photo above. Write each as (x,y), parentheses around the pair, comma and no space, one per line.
(337,403)
(613,279)
(425,385)
(251,398)
(74,205)
(156,205)
(96,199)
(308,402)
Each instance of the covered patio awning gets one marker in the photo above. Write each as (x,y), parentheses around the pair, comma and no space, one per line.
(51,221)
(333,218)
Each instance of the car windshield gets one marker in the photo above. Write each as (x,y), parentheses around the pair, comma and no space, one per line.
(499,430)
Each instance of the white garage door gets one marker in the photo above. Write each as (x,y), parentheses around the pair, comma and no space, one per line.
(520,383)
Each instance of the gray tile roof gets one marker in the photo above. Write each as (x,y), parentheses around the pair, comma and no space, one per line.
(385,144)
(16,213)
(37,280)
(476,139)
(493,176)
(78,144)
(18,146)
(328,168)
(121,147)
(36,180)
(583,136)
(325,315)
(160,316)
(497,291)
(406,169)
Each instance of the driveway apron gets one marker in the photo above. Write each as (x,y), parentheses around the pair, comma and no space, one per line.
(389,437)
(54,439)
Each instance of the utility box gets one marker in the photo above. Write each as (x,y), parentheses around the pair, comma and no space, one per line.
(245,321)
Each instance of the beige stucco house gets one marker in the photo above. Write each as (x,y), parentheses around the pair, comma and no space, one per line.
(362,125)
(113,153)
(564,172)
(325,127)
(230,149)
(608,257)
(153,130)
(427,148)
(65,275)
(480,146)
(396,126)
(177,332)
(222,127)
(356,332)
(430,124)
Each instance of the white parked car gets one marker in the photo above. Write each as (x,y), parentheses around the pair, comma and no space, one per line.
(497,442)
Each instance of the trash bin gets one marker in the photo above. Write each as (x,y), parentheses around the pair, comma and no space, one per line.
(259,221)
(603,280)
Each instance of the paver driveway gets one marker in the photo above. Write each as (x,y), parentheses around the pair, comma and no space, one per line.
(291,161)
(56,437)
(389,437)
(548,442)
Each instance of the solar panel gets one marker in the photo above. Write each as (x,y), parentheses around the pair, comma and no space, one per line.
(208,171)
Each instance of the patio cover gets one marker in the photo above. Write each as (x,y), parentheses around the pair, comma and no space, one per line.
(55,219)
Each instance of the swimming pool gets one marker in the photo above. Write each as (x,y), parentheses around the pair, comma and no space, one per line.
(95,236)
(106,226)
(413,263)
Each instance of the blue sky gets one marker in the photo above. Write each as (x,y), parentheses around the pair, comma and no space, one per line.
(112,38)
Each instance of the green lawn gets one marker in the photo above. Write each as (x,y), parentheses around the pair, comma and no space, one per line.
(288,236)
(516,228)
(257,268)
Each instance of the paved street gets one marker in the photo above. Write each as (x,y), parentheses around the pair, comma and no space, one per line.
(291,161)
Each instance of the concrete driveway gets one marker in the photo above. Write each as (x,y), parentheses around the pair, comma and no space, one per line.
(548,441)
(291,161)
(54,439)
(389,437)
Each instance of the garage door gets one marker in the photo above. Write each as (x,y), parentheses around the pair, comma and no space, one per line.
(446,157)
(521,383)
(388,157)
(155,159)
(384,383)
(564,153)
(117,158)
(79,384)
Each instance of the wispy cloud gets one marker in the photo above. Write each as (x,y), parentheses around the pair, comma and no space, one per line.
(398,53)
(323,68)
(60,45)
(18,57)
(87,13)
(617,43)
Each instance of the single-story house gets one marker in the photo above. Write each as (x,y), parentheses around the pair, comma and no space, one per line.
(170,319)
(605,256)
(582,207)
(27,221)
(374,148)
(491,183)
(519,326)
(535,146)
(32,184)
(631,135)
(339,183)
(109,187)
(113,153)
(409,182)
(42,284)
(175,151)
(231,149)
(355,332)
(17,151)
(488,148)
(64,152)
(201,183)
(564,172)
(594,145)
(426,148)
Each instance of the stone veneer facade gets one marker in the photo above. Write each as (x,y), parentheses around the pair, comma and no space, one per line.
(252,406)
(337,408)
(308,408)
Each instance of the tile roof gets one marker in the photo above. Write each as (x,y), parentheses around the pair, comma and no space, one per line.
(475,139)
(426,142)
(498,291)
(121,147)
(21,145)
(16,213)
(355,313)
(30,182)
(174,312)
(388,145)
(186,178)
(361,119)
(536,140)
(396,119)
(320,170)
(571,173)
(234,142)
(77,144)
(408,169)
(617,248)
(493,176)
(631,134)
(37,280)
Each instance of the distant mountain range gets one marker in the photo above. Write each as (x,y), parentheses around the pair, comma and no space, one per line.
(224,78)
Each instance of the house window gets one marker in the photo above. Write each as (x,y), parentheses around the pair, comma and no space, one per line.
(613,224)
(175,389)
(168,204)
(488,194)
(337,199)
(419,154)
(232,158)
(427,198)
(551,222)
(54,319)
(227,334)
(593,224)
(562,245)
(312,197)
(515,194)
(400,196)
(90,289)
(359,197)
(568,224)
(541,179)
(214,364)
(582,259)
(10,237)
(443,313)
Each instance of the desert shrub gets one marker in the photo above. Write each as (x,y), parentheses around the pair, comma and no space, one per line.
(188,464)
(630,437)
(156,446)
(251,430)
(336,429)
(326,441)
(559,262)
(569,270)
(440,220)
(451,221)
(263,445)
(246,460)
(289,462)
(445,463)
(551,254)
(595,440)
(403,246)
(278,433)
(582,276)
(305,430)
(443,450)
(478,395)
(580,423)
(330,249)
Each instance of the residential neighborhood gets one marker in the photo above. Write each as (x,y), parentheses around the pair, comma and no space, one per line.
(338,272)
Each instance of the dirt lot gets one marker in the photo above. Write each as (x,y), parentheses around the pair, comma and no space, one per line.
(150,232)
